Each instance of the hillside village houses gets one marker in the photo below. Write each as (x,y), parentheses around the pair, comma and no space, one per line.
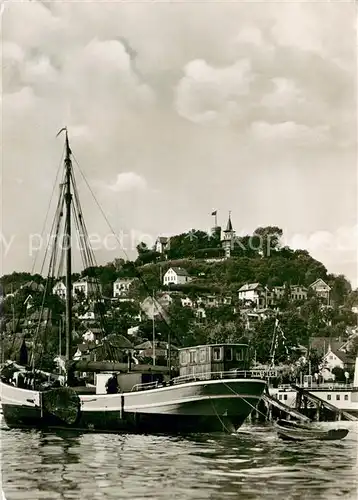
(121,286)
(156,307)
(262,296)
(87,286)
(60,290)
(321,289)
(176,276)
(335,358)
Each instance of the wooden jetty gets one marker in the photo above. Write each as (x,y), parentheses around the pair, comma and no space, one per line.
(304,395)
(282,409)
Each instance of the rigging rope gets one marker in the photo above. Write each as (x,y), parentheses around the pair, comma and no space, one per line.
(48,208)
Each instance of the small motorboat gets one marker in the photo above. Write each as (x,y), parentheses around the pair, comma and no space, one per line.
(295,431)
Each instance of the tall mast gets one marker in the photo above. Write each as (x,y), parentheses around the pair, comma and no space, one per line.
(153,330)
(68,201)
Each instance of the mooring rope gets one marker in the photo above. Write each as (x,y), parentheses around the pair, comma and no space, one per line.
(220,420)
(244,399)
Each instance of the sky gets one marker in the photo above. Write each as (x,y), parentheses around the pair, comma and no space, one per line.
(178,109)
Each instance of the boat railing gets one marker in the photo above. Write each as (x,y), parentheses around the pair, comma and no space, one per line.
(148,385)
(197,377)
(193,377)
(330,386)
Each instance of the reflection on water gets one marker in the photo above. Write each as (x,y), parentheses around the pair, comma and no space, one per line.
(252,465)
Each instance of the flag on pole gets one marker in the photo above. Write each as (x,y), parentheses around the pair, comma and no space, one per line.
(214,213)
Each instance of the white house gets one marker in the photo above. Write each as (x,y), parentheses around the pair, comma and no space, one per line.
(321,289)
(162,244)
(156,307)
(253,292)
(88,315)
(200,313)
(87,286)
(335,358)
(295,292)
(92,335)
(176,276)
(121,286)
(298,292)
(60,289)
(186,302)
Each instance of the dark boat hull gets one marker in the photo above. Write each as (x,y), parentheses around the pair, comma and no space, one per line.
(209,406)
(31,418)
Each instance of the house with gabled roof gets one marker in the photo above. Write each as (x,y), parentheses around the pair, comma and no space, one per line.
(336,358)
(321,289)
(176,276)
(60,289)
(121,286)
(252,292)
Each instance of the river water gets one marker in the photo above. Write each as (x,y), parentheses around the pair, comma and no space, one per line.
(254,464)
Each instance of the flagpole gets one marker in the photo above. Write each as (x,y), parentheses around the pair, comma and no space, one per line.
(215,214)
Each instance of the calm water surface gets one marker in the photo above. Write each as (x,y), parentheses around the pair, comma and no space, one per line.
(253,464)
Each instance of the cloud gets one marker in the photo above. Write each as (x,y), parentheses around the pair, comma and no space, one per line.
(213,94)
(128,181)
(337,249)
(289,132)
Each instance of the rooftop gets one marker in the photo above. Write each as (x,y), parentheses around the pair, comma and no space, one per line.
(249,286)
(180,271)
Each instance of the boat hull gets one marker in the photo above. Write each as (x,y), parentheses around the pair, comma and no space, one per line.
(204,406)
(290,431)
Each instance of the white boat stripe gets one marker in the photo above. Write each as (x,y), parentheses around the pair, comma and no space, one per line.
(137,407)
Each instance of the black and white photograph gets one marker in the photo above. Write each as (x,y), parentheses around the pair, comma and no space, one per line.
(179,250)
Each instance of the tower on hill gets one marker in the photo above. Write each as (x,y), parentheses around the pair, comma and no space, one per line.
(216,233)
(228,239)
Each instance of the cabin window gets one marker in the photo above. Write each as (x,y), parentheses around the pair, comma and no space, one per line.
(240,355)
(217,354)
(285,397)
(338,397)
(183,358)
(192,355)
(228,354)
(280,397)
(202,356)
(328,397)
(346,397)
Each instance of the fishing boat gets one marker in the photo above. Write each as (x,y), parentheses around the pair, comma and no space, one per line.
(213,392)
(294,431)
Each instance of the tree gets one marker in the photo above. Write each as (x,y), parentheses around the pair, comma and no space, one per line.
(338,373)
(147,257)
(142,248)
(340,289)
(269,237)
(121,317)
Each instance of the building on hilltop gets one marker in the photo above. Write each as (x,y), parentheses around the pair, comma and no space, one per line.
(228,240)
(216,233)
(322,290)
(176,276)
(162,244)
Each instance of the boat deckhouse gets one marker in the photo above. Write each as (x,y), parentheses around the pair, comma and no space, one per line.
(206,360)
